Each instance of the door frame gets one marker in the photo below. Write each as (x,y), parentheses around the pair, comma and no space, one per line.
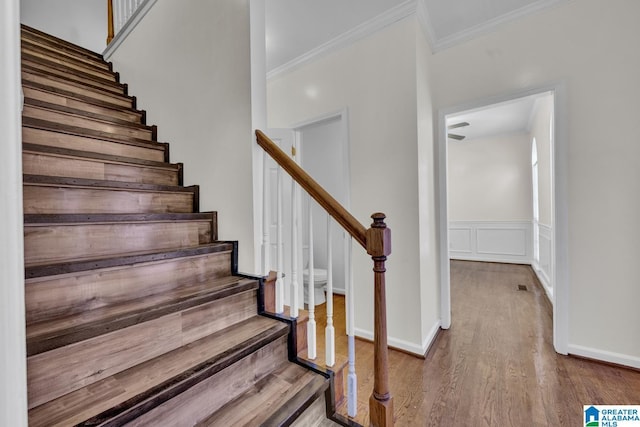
(560,223)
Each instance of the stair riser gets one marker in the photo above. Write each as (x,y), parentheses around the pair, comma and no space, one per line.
(46,244)
(56,99)
(106,84)
(75,142)
(39,199)
(72,64)
(42,39)
(71,56)
(85,122)
(67,294)
(75,167)
(197,403)
(99,125)
(96,94)
(63,370)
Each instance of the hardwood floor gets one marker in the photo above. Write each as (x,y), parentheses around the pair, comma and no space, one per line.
(495,366)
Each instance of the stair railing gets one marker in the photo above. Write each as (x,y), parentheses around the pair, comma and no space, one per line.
(377,242)
(119,12)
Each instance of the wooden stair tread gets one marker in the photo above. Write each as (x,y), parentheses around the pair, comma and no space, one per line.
(69,55)
(30,32)
(53,333)
(84,114)
(273,400)
(56,181)
(89,155)
(109,262)
(62,70)
(57,219)
(158,379)
(29,73)
(86,99)
(94,134)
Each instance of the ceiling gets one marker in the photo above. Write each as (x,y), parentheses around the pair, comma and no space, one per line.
(497,119)
(295,27)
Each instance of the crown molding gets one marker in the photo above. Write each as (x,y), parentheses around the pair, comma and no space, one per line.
(488,26)
(359,32)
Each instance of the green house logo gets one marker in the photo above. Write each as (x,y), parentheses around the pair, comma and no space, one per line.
(592,417)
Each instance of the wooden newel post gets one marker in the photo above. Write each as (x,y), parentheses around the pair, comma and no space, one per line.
(380,402)
(109,21)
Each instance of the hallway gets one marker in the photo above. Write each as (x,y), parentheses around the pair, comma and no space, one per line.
(496,365)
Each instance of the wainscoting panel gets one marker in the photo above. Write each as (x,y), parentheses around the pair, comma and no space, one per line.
(544,269)
(491,241)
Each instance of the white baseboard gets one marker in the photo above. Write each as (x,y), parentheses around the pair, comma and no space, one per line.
(605,356)
(403,345)
(544,280)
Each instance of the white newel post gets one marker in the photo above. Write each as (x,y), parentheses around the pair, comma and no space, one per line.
(352,380)
(330,333)
(311,325)
(280,246)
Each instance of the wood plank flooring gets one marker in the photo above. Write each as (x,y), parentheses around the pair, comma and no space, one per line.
(495,366)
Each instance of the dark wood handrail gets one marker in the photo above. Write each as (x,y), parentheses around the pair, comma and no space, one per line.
(377,242)
(319,194)
(110,33)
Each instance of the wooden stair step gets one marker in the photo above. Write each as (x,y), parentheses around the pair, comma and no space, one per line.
(84,67)
(315,415)
(61,290)
(119,398)
(37,36)
(61,70)
(66,98)
(43,132)
(94,92)
(56,195)
(62,162)
(53,333)
(58,238)
(59,53)
(67,116)
(277,399)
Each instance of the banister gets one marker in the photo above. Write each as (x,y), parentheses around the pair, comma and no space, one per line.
(377,242)
(320,195)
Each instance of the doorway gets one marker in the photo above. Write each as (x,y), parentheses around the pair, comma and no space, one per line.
(510,236)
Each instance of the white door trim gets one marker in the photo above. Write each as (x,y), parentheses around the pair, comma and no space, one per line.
(13,376)
(560,223)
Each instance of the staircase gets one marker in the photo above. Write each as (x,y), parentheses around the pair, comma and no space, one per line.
(136,314)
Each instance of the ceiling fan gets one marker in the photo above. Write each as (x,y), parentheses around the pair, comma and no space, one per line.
(456,126)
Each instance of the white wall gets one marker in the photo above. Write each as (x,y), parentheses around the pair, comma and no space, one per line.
(13,377)
(375,78)
(190,69)
(83,22)
(593,49)
(489,178)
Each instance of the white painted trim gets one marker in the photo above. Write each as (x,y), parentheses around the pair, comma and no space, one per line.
(400,344)
(359,32)
(606,356)
(544,276)
(560,225)
(492,230)
(424,20)
(488,26)
(135,19)
(258,117)
(13,371)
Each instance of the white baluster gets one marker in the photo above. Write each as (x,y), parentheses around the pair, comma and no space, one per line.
(352,380)
(121,17)
(266,214)
(311,325)
(280,247)
(330,333)
(294,302)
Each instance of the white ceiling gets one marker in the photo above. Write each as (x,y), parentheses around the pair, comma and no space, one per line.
(295,27)
(497,119)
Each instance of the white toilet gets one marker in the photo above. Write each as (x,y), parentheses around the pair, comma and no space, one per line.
(319,282)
